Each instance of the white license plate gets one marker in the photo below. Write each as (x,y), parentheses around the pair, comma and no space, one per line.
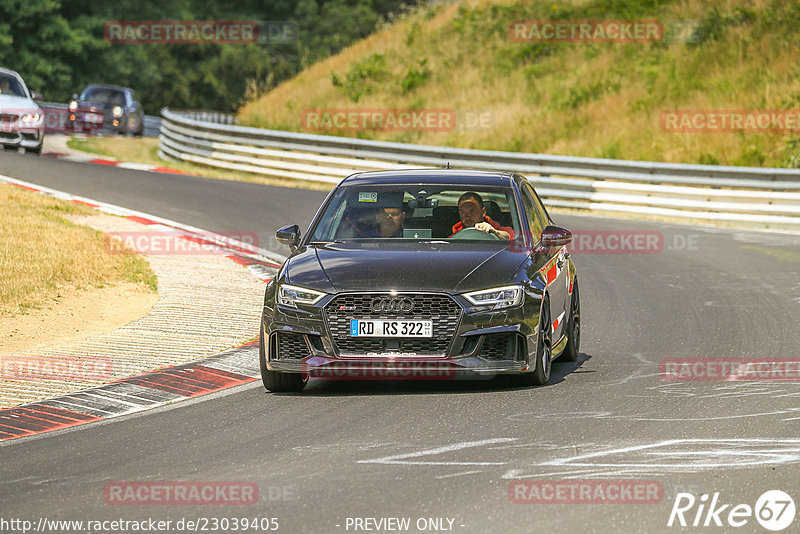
(93,117)
(391,328)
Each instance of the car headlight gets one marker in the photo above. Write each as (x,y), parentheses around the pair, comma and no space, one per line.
(116,111)
(73,105)
(31,117)
(289,295)
(496,297)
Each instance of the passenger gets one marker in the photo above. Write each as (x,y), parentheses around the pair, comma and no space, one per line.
(4,85)
(473,215)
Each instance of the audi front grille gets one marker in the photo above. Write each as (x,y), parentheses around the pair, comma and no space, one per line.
(441,309)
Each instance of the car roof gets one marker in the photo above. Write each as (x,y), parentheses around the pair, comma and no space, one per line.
(9,71)
(106,86)
(431,176)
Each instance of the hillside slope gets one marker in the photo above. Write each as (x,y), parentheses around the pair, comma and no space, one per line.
(576,98)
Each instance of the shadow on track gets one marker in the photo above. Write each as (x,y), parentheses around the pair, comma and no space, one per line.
(323,387)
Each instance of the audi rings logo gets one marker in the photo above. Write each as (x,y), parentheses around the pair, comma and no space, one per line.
(392,304)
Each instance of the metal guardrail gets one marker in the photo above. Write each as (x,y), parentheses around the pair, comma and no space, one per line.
(765,197)
(216,117)
(55,117)
(152,126)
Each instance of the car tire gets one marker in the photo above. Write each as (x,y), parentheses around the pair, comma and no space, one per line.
(573,348)
(278,382)
(544,347)
(37,150)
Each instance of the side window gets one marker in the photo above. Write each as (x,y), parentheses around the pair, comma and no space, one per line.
(534,221)
(540,209)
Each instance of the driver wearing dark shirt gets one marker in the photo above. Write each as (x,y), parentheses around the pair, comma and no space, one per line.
(473,215)
(390,222)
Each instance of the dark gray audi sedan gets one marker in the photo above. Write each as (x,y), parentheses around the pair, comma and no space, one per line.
(427,274)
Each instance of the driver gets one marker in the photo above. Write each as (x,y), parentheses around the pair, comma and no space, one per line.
(389,222)
(473,215)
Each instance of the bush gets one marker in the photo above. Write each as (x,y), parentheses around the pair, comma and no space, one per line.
(416,77)
(362,77)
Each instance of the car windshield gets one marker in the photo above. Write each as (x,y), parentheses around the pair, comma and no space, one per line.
(412,212)
(104,96)
(9,85)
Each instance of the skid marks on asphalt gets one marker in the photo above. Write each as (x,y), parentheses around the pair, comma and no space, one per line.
(668,456)
(506,457)
(722,390)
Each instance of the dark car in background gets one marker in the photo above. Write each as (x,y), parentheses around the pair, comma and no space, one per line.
(105,108)
(21,119)
(435,294)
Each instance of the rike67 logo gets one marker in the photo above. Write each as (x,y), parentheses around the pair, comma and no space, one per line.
(774,510)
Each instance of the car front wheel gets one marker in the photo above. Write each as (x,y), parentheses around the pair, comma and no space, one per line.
(544,348)
(573,348)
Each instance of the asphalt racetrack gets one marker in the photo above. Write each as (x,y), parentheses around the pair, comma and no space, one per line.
(346,456)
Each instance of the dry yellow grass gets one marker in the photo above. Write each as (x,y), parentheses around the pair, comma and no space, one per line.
(597,100)
(43,255)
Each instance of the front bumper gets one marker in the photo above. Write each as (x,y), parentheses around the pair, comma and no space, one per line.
(78,122)
(88,121)
(27,138)
(482,344)
(399,369)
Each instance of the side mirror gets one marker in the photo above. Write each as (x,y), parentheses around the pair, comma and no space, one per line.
(37,96)
(289,235)
(555,236)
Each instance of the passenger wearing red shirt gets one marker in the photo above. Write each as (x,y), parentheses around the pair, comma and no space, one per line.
(473,214)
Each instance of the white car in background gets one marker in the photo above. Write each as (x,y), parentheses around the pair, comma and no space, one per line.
(21,119)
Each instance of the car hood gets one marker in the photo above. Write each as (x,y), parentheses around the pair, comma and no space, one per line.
(96,106)
(17,104)
(403,266)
